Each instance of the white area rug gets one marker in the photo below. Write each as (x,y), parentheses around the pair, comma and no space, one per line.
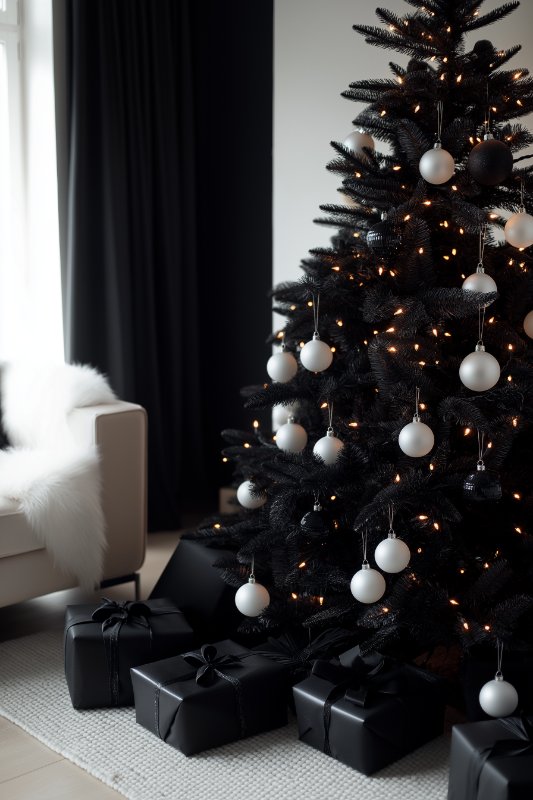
(112,747)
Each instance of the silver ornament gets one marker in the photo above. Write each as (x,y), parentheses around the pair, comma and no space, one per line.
(480,282)
(248,497)
(392,554)
(316,356)
(368,585)
(479,371)
(282,367)
(291,437)
(416,439)
(356,141)
(437,165)
(518,229)
(498,698)
(328,448)
(252,598)
(528,324)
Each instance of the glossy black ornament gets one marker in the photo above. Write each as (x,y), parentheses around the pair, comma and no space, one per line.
(482,485)
(490,162)
(383,238)
(315,523)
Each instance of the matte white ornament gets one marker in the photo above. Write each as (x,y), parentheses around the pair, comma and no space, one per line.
(281,414)
(479,371)
(528,324)
(316,356)
(291,437)
(437,165)
(368,585)
(498,698)
(480,282)
(252,598)
(356,141)
(416,439)
(328,448)
(518,229)
(282,367)
(392,554)
(247,498)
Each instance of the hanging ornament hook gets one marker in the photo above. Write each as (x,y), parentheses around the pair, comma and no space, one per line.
(391,517)
(499,656)
(487,120)
(417,404)
(522,208)
(316,308)
(481,325)
(482,242)
(364,540)
(480,450)
(440,111)
(330,415)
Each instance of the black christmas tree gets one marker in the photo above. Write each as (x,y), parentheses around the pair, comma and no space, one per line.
(419,433)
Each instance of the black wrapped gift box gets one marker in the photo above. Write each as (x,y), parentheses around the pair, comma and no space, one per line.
(192,582)
(103,642)
(370,713)
(479,666)
(217,695)
(492,760)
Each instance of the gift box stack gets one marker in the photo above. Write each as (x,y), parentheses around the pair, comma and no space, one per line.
(363,710)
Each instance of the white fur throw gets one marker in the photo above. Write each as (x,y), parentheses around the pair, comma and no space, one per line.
(54,479)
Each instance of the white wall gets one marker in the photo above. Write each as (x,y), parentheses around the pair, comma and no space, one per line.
(316,56)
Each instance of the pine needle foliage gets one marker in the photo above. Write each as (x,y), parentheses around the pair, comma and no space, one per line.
(398,322)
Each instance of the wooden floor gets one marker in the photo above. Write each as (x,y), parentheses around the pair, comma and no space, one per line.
(28,769)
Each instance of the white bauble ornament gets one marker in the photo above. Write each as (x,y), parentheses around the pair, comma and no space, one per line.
(252,598)
(328,448)
(479,370)
(281,414)
(437,165)
(368,585)
(480,282)
(518,230)
(282,367)
(416,439)
(356,141)
(528,324)
(316,356)
(498,698)
(291,437)
(392,554)
(247,498)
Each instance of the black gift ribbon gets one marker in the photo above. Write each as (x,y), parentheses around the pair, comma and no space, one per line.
(365,678)
(521,745)
(113,615)
(209,665)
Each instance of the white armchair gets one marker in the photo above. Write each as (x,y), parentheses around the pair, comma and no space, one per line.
(120,431)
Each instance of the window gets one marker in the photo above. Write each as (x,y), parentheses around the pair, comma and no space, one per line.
(30,275)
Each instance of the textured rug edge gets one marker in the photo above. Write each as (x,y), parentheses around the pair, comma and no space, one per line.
(53,747)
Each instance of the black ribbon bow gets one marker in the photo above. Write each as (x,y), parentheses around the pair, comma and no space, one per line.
(521,745)
(291,649)
(209,664)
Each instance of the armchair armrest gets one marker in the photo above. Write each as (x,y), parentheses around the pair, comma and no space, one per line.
(120,432)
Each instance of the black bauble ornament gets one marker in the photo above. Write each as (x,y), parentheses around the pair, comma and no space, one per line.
(383,238)
(315,523)
(482,485)
(490,162)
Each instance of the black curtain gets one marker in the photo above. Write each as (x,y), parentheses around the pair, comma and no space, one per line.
(168,221)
